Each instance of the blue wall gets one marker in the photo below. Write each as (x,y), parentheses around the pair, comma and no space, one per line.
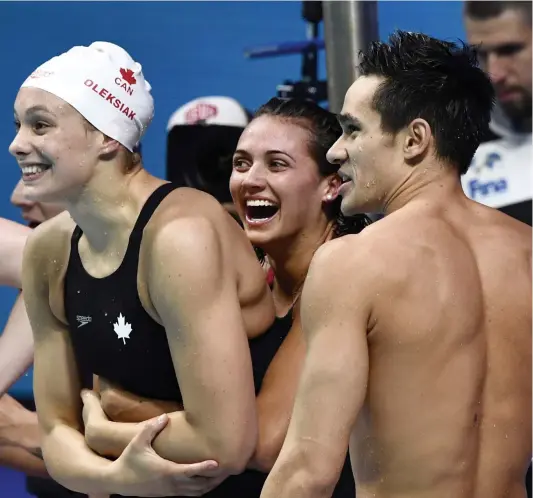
(187,49)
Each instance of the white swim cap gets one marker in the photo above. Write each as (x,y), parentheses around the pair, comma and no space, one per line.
(105,85)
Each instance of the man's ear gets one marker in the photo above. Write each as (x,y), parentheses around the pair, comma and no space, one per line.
(417,140)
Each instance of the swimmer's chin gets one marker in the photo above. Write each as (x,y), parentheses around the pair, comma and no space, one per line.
(350,209)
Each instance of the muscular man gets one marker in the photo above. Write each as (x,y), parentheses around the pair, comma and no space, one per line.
(150,287)
(418,329)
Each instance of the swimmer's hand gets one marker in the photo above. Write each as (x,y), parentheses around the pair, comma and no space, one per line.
(140,471)
(94,419)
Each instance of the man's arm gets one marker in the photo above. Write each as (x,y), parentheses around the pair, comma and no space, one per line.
(20,438)
(335,313)
(195,295)
(20,459)
(16,346)
(14,236)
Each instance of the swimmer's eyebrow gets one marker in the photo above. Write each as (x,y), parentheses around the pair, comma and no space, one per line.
(274,151)
(268,153)
(35,109)
(349,123)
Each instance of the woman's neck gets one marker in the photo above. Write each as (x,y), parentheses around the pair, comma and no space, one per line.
(107,208)
(290,264)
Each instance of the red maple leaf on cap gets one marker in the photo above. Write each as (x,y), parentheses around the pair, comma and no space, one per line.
(127,75)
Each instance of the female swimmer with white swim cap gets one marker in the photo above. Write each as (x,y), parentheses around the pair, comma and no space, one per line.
(137,282)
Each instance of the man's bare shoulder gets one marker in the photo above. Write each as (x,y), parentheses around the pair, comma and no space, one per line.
(384,255)
(375,243)
(503,227)
(351,258)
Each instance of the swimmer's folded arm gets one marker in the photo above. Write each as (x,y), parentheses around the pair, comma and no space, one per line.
(335,312)
(195,295)
(69,461)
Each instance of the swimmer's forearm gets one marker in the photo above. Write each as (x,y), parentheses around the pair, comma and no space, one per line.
(289,480)
(22,460)
(179,442)
(72,464)
(269,443)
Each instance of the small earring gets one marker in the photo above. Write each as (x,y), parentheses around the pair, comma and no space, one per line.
(328,197)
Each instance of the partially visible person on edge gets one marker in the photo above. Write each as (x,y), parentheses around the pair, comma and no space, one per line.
(500,175)
(20,437)
(285,193)
(201,138)
(14,237)
(19,430)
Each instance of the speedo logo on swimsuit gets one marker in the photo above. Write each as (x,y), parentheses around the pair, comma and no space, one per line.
(109,97)
(83,320)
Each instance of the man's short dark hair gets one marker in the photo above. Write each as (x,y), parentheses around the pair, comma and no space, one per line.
(438,81)
(481,10)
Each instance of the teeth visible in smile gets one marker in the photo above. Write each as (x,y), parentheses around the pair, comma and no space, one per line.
(344,177)
(259,202)
(258,220)
(32,170)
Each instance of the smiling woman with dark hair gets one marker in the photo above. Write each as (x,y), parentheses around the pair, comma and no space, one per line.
(286,193)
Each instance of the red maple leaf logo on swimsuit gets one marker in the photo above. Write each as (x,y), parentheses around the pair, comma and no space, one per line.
(127,75)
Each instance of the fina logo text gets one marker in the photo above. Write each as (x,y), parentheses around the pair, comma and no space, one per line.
(478,189)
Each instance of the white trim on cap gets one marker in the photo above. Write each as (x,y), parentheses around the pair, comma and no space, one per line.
(216,110)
